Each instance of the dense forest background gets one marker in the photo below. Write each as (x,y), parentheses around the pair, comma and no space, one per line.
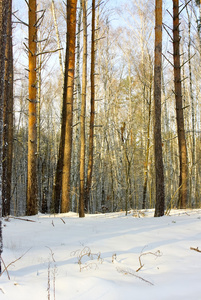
(123,176)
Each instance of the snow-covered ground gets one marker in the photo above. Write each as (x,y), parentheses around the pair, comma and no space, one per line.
(63,257)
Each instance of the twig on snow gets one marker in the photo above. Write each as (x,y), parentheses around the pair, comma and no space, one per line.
(195,249)
(27,220)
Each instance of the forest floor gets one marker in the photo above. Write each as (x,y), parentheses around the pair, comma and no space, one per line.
(104,256)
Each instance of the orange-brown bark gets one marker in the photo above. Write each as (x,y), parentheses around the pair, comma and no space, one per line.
(91,129)
(71,32)
(32,129)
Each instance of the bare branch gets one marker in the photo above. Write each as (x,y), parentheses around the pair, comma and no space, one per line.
(28,49)
(168,60)
(20,21)
(187,60)
(184,6)
(167,32)
(47,52)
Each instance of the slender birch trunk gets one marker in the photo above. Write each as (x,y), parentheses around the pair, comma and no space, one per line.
(147,159)
(83,112)
(58,39)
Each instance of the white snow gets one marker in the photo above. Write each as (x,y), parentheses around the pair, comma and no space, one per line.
(56,264)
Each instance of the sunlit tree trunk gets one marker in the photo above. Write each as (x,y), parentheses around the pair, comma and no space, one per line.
(4,8)
(71,32)
(92,114)
(8,119)
(56,198)
(32,189)
(160,193)
(83,112)
(179,108)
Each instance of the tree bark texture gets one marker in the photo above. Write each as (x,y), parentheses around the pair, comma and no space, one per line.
(66,175)
(32,190)
(160,193)
(83,112)
(4,8)
(147,160)
(179,108)
(92,114)
(57,189)
(8,119)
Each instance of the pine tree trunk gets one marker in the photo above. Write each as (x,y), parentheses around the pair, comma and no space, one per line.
(160,193)
(56,197)
(66,175)
(83,112)
(4,8)
(179,108)
(32,189)
(91,129)
(8,119)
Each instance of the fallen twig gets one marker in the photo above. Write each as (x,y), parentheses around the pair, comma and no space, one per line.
(195,249)
(28,220)
(63,220)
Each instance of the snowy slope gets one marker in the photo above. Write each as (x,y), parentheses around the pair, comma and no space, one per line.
(97,257)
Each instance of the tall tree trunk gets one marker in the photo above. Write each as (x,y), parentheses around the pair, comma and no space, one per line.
(179,108)
(66,175)
(58,39)
(146,159)
(56,198)
(32,189)
(192,183)
(92,114)
(4,8)
(8,119)
(83,112)
(160,193)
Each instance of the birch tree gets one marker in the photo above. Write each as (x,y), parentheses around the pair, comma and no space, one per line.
(83,112)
